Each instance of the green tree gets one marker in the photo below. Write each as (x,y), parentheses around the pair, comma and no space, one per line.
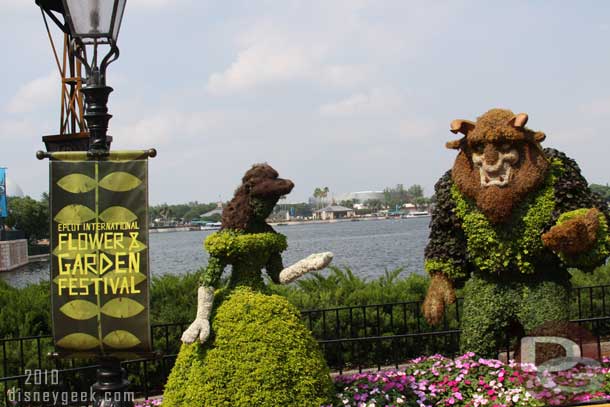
(374,204)
(602,190)
(415,191)
(395,197)
(30,216)
(348,203)
(320,193)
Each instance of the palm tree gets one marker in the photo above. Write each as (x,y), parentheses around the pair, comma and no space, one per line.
(320,193)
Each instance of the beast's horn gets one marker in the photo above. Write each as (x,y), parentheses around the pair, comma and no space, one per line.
(461,126)
(518,120)
(455,144)
(539,137)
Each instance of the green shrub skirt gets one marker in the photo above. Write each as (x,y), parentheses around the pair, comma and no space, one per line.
(259,354)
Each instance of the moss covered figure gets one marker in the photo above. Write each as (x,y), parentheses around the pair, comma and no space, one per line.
(246,346)
(510,219)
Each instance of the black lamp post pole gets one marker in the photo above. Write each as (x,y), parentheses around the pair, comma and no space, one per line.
(110,388)
(96,112)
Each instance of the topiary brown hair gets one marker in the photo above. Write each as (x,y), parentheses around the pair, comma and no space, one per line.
(259,182)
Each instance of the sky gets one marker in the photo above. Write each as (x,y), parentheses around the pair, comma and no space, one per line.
(350,94)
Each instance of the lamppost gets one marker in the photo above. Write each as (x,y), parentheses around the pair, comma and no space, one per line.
(95,24)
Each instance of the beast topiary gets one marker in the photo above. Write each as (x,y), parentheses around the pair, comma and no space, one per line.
(510,219)
(255,351)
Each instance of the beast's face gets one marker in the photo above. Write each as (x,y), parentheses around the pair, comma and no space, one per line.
(496,162)
(499,163)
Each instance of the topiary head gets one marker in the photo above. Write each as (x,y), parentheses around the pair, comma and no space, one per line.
(255,198)
(499,162)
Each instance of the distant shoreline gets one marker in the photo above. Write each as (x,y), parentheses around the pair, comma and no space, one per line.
(280,223)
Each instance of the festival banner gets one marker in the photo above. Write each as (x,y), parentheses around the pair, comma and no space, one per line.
(3,206)
(99,265)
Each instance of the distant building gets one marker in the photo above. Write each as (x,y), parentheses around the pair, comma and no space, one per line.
(13,189)
(215,211)
(360,196)
(409,207)
(334,212)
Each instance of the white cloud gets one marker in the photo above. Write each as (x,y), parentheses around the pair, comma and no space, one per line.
(36,93)
(377,101)
(337,44)
(260,63)
(164,128)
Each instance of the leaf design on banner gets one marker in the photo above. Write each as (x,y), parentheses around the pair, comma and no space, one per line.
(79,309)
(116,214)
(79,341)
(122,307)
(79,247)
(137,277)
(74,214)
(77,183)
(120,181)
(120,339)
(130,245)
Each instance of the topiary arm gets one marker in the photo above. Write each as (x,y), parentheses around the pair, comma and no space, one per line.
(200,327)
(579,232)
(313,262)
(445,253)
(274,267)
(580,238)
(212,272)
(446,250)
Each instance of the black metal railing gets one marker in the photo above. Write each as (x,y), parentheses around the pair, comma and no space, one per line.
(351,338)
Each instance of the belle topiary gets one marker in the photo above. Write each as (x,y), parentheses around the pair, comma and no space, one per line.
(510,219)
(246,346)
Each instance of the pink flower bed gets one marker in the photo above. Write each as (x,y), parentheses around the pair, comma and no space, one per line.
(472,382)
(468,381)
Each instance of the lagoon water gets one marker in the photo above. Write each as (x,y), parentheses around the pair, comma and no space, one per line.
(367,247)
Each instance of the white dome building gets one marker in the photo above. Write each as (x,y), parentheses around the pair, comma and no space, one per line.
(13,189)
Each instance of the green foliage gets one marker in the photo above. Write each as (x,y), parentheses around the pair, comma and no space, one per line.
(415,191)
(341,287)
(374,204)
(601,190)
(25,311)
(395,197)
(600,276)
(516,243)
(260,355)
(30,216)
(173,297)
(446,267)
(349,203)
(235,246)
(598,253)
(491,306)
